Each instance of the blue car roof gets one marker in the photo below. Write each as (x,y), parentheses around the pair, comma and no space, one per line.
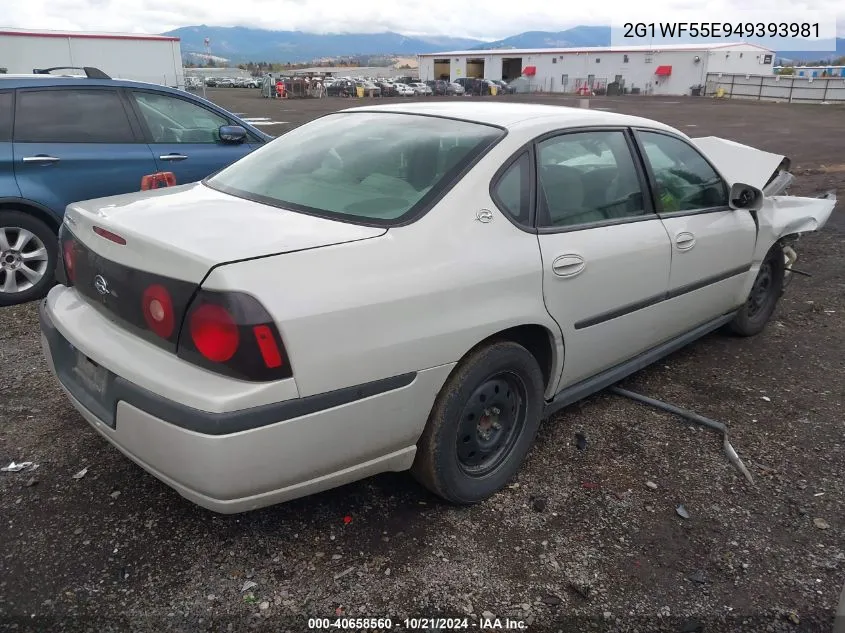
(47,81)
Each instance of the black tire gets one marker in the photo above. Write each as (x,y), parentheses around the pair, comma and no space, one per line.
(511,381)
(764,296)
(11,220)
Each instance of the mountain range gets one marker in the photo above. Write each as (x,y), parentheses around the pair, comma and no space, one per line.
(241,44)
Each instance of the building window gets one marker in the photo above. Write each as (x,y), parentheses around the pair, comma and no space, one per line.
(624,59)
(648,59)
(598,60)
(767,59)
(740,55)
(554,60)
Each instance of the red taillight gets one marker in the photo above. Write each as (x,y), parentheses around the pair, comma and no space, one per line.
(267,344)
(231,333)
(69,254)
(157,306)
(112,237)
(214,332)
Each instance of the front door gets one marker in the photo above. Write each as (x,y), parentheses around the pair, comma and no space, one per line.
(74,144)
(606,255)
(184,136)
(712,244)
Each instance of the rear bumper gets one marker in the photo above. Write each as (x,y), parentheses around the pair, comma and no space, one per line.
(242,460)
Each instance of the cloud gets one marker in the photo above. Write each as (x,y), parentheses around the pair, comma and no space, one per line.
(486,19)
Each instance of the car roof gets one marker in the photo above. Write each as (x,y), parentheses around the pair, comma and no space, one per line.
(509,115)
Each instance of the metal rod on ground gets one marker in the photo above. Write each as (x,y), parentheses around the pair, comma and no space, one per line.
(692,417)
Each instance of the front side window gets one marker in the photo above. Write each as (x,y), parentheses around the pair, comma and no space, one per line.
(685,180)
(587,177)
(376,168)
(84,115)
(174,120)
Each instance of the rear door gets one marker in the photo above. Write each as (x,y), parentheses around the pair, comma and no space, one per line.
(8,186)
(606,254)
(183,135)
(712,244)
(77,143)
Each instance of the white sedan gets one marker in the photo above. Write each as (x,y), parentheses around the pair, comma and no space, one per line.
(412,286)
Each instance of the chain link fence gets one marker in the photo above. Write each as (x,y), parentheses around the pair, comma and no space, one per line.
(783,88)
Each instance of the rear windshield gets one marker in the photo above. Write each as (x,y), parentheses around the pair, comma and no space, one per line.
(373,168)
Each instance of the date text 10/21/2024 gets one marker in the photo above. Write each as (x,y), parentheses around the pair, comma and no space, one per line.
(418,624)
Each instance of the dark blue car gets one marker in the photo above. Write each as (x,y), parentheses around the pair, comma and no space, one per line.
(70,138)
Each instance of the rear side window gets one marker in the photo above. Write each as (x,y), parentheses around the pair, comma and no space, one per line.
(6,100)
(71,116)
(375,168)
(511,190)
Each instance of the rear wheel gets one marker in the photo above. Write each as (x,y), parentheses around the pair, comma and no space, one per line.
(763,298)
(28,251)
(482,425)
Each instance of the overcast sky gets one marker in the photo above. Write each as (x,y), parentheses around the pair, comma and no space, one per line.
(487,19)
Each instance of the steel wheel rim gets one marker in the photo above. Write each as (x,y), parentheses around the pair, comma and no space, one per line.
(491,423)
(760,291)
(23,259)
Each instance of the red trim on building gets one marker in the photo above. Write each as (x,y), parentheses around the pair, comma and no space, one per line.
(663,71)
(529,71)
(90,36)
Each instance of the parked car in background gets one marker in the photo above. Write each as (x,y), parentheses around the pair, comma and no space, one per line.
(65,139)
(371,89)
(404,90)
(421,89)
(455,88)
(438,86)
(388,89)
(341,87)
(503,87)
(336,304)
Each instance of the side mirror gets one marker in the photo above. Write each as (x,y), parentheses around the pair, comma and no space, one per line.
(232,134)
(744,196)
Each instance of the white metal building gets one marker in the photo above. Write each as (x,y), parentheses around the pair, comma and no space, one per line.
(152,58)
(668,69)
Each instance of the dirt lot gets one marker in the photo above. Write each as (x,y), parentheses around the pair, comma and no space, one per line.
(577,542)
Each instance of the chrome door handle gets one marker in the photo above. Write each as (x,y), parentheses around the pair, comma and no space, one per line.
(172,157)
(568,265)
(41,159)
(684,241)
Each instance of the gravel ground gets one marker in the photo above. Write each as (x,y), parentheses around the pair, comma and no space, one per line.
(585,538)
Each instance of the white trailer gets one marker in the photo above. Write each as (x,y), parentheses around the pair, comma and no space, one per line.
(152,58)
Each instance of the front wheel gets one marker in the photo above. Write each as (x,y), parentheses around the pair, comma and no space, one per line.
(482,425)
(763,298)
(28,252)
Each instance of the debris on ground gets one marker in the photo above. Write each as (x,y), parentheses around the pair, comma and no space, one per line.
(347,520)
(81,473)
(682,511)
(580,441)
(821,523)
(16,467)
(697,577)
(651,484)
(539,504)
(31,482)
(249,584)
(343,573)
